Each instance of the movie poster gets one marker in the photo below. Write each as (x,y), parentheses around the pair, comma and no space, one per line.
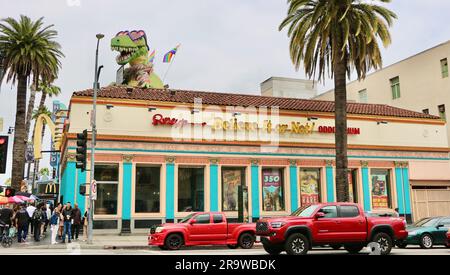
(309,186)
(231,179)
(272,190)
(380,197)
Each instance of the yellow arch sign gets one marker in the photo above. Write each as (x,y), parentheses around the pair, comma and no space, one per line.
(40,121)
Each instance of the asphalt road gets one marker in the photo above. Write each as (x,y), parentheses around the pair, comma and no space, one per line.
(73,250)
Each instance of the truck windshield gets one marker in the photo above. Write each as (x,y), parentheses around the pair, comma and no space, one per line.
(305,211)
(185,220)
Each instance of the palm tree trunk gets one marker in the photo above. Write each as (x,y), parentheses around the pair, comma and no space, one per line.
(340,93)
(30,108)
(19,134)
(43,98)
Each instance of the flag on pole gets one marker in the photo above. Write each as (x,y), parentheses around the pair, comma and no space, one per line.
(169,56)
(151,57)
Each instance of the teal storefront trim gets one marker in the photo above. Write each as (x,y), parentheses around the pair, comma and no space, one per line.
(366,188)
(170,192)
(400,190)
(258,154)
(255,191)
(330,184)
(214,187)
(81,200)
(126,193)
(69,189)
(406,190)
(293,175)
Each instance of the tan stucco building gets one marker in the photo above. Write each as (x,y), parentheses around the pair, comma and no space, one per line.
(420,83)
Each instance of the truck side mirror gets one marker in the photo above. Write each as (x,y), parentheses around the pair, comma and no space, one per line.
(319,215)
(192,221)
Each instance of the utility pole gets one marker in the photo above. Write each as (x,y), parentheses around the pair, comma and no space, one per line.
(93,141)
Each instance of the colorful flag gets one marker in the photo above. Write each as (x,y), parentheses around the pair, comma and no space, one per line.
(168,57)
(151,58)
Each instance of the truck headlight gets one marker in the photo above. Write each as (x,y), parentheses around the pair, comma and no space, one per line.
(277,224)
(159,229)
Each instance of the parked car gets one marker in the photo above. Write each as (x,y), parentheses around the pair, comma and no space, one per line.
(334,224)
(207,228)
(448,238)
(427,233)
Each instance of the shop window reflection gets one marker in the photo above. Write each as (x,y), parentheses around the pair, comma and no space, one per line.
(191,182)
(107,176)
(148,185)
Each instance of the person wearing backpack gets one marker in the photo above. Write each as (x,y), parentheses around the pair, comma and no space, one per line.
(54,225)
(37,220)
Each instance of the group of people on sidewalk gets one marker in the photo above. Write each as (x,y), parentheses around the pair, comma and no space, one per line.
(64,220)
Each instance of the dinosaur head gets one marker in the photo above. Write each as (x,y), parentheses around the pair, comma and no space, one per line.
(131,46)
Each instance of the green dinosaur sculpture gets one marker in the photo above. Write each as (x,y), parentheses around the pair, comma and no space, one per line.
(133,50)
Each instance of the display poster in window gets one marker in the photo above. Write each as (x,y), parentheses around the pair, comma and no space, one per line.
(380,198)
(231,179)
(351,187)
(272,191)
(309,186)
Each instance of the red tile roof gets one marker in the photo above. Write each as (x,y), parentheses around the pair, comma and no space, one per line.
(229,99)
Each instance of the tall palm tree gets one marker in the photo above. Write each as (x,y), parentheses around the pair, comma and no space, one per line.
(30,53)
(335,37)
(47,89)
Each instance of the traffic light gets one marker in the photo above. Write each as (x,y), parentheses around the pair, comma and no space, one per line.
(82,150)
(3,153)
(9,192)
(83,190)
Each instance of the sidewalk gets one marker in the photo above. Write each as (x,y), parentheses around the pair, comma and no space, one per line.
(99,242)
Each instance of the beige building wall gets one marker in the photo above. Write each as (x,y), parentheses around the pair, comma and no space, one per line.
(421,83)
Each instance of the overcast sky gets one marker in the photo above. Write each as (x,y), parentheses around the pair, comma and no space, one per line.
(226,46)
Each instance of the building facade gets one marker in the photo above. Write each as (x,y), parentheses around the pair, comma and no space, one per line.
(420,83)
(164,153)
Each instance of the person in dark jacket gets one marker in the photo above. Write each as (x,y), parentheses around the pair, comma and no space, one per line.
(38,217)
(67,214)
(6,216)
(22,222)
(76,215)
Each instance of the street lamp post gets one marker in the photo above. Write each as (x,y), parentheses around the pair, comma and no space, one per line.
(93,141)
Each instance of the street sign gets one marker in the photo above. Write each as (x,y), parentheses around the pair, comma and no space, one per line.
(93,192)
(29,153)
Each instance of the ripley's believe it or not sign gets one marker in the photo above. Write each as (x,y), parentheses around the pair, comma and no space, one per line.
(267,126)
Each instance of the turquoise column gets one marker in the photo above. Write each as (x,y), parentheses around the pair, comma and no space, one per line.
(170,190)
(70,183)
(81,200)
(126,194)
(406,189)
(366,185)
(400,188)
(330,181)
(214,186)
(293,175)
(255,189)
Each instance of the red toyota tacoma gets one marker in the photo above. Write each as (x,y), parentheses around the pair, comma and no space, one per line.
(334,224)
(208,228)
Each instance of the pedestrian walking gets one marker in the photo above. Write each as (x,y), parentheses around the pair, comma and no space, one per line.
(6,217)
(38,217)
(67,216)
(30,210)
(85,226)
(22,222)
(76,223)
(54,225)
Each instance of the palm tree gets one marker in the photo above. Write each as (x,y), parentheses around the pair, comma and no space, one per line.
(47,89)
(334,37)
(30,53)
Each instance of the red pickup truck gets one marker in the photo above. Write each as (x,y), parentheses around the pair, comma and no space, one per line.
(207,228)
(334,224)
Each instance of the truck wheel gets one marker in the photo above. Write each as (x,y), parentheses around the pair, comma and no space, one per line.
(246,240)
(173,242)
(426,241)
(354,249)
(297,244)
(232,246)
(385,242)
(272,249)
